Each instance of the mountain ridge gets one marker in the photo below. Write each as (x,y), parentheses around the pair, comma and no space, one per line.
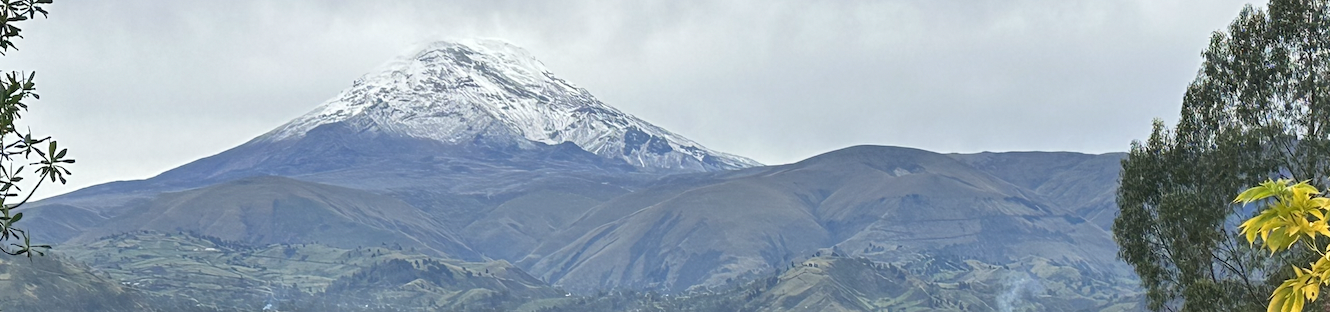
(857,199)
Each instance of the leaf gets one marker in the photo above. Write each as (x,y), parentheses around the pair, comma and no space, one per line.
(1321,228)
(1265,190)
(1304,188)
(1280,296)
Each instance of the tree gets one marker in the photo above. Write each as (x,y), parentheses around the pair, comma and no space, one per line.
(19,149)
(1258,108)
(1295,214)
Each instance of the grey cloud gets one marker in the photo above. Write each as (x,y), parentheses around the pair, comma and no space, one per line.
(138,87)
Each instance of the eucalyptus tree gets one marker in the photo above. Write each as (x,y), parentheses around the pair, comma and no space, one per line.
(1259,108)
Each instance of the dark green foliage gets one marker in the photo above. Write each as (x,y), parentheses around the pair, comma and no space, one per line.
(1174,228)
(17,147)
(1258,109)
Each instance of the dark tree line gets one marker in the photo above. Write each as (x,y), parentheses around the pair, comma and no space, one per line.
(1259,108)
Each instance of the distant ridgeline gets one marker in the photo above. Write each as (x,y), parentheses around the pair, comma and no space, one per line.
(465,176)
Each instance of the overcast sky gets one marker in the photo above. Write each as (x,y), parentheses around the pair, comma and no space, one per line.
(134,88)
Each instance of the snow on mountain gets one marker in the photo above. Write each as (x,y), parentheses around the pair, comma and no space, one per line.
(495,92)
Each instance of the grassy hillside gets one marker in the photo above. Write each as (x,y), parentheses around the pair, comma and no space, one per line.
(153,271)
(277,210)
(57,283)
(890,204)
(215,274)
(1083,183)
(840,284)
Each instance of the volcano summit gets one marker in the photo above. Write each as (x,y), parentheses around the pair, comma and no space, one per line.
(493,91)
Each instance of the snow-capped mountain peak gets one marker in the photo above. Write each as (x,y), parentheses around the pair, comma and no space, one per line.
(464,91)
